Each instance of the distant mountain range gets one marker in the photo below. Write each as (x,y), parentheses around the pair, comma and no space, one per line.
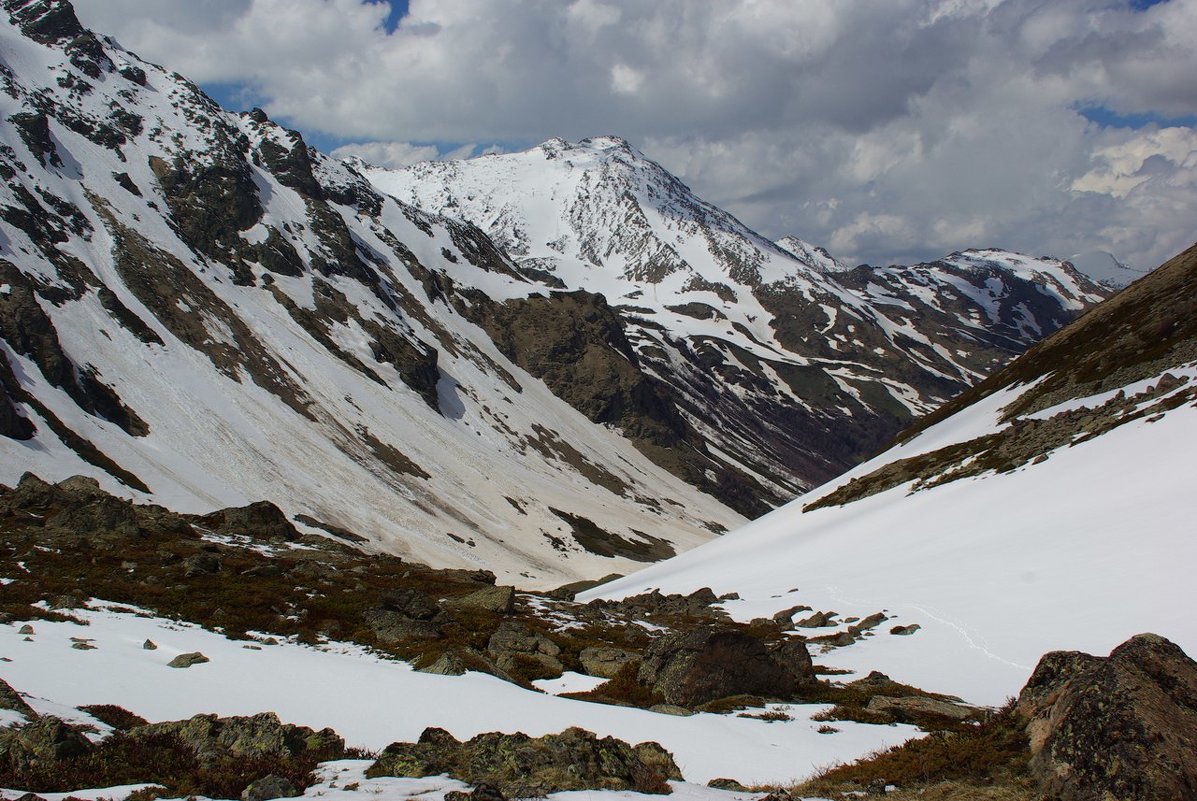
(787,367)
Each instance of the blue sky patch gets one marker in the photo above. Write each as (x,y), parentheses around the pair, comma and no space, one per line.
(1108,118)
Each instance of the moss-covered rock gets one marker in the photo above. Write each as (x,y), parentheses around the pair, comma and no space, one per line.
(1121,727)
(42,742)
(519,765)
(211,738)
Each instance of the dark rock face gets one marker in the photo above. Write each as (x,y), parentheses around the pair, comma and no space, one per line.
(1116,728)
(519,765)
(211,204)
(28,330)
(45,21)
(13,424)
(705,664)
(578,345)
(262,518)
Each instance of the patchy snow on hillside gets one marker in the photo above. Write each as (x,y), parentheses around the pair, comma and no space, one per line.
(1080,551)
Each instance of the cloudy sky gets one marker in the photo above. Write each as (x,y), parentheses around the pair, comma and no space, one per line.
(886,131)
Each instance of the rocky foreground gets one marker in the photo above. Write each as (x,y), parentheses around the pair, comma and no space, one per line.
(1085,728)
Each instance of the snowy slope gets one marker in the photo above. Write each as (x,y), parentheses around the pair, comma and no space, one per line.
(1104,268)
(372,701)
(789,366)
(1084,537)
(197,308)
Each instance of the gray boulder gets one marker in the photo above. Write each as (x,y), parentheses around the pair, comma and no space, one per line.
(187,660)
(704,664)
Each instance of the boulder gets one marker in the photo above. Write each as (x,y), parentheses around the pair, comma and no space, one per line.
(450,663)
(269,787)
(698,602)
(913,708)
(817,621)
(261,520)
(785,617)
(186,660)
(520,650)
(521,766)
(727,784)
(605,662)
(412,604)
(871,622)
(711,662)
(1116,728)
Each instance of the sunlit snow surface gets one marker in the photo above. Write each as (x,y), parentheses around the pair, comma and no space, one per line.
(1079,552)
(345,780)
(373,702)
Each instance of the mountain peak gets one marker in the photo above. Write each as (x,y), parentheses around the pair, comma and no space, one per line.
(608,142)
(45,21)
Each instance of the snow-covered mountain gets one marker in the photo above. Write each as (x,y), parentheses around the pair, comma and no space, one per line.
(196,307)
(1050,506)
(787,367)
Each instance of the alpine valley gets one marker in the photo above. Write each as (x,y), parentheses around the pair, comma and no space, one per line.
(535,473)
(600,371)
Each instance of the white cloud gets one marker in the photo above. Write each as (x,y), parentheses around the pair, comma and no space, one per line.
(388,154)
(626,80)
(898,130)
(1123,166)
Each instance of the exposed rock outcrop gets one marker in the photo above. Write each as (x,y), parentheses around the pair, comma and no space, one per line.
(46,740)
(519,765)
(1116,728)
(211,738)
